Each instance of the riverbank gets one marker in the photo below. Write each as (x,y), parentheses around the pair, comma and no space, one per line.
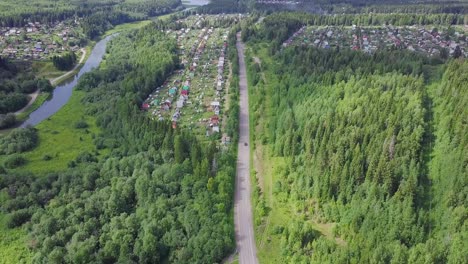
(73,71)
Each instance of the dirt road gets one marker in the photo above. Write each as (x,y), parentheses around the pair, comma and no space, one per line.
(243,218)
(83,56)
(33,98)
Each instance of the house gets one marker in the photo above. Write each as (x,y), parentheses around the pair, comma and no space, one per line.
(38,47)
(214,120)
(165,107)
(173,91)
(176,116)
(145,106)
(215,104)
(185,94)
(181,102)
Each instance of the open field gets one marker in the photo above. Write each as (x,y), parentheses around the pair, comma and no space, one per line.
(60,140)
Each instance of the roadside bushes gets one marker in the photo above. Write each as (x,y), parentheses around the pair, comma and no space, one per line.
(81,124)
(12,102)
(7,120)
(14,161)
(18,218)
(64,62)
(19,140)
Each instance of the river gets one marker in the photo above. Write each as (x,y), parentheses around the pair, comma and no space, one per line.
(62,93)
(195,2)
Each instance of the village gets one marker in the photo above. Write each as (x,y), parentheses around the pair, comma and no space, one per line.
(37,41)
(195,96)
(424,40)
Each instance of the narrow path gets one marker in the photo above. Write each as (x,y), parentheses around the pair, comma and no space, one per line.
(83,56)
(33,98)
(243,218)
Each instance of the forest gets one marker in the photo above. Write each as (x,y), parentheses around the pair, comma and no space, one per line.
(146,194)
(16,82)
(20,12)
(64,62)
(370,150)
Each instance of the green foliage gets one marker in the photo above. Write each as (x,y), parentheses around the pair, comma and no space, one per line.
(14,161)
(64,62)
(7,120)
(159,195)
(19,12)
(355,132)
(12,102)
(19,140)
(81,124)
(15,83)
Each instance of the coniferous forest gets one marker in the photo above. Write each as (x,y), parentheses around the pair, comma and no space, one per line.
(370,151)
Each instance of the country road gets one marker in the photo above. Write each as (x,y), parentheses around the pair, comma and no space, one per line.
(70,72)
(33,98)
(243,218)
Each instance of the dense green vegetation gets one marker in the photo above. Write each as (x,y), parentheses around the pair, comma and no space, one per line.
(224,6)
(372,149)
(15,83)
(19,12)
(157,195)
(367,6)
(64,62)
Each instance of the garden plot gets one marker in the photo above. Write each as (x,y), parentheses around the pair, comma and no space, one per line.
(429,41)
(193,96)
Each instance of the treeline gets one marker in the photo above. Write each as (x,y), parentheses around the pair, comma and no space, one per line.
(364,7)
(224,6)
(148,7)
(14,14)
(64,62)
(382,6)
(280,26)
(355,134)
(159,195)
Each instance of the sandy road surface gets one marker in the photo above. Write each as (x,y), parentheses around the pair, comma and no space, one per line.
(243,218)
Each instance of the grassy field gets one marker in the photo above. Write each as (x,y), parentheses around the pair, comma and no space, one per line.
(41,98)
(46,69)
(127,26)
(13,244)
(60,140)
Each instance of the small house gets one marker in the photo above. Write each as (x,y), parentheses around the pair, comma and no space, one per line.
(214,120)
(173,91)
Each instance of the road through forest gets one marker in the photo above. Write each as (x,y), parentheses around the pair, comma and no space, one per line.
(243,218)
